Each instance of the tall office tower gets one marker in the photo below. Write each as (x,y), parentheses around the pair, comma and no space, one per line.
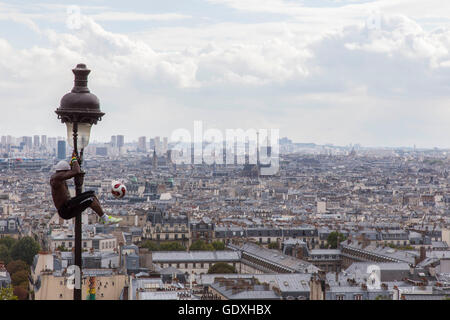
(120,141)
(44,140)
(3,143)
(9,140)
(27,142)
(165,143)
(113,141)
(142,144)
(158,145)
(61,150)
(152,143)
(51,142)
(36,142)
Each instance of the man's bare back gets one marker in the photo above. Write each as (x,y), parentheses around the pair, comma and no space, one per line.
(60,190)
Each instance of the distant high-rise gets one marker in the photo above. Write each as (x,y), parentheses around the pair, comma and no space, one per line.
(152,143)
(142,144)
(113,141)
(27,142)
(165,143)
(44,140)
(158,145)
(36,142)
(120,141)
(61,150)
(52,142)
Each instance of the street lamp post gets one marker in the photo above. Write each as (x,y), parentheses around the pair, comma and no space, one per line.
(79,110)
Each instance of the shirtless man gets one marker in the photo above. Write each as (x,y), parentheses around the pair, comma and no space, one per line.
(68,207)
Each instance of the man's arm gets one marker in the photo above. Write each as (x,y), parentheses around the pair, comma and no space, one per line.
(66,175)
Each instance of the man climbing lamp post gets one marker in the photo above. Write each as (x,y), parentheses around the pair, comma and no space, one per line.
(79,110)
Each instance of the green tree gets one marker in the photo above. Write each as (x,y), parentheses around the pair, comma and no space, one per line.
(218,245)
(334,238)
(150,245)
(25,249)
(221,267)
(172,246)
(19,277)
(200,245)
(273,245)
(16,265)
(7,294)
(62,248)
(8,242)
(5,255)
(21,293)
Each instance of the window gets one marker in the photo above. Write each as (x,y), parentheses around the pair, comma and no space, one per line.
(185,265)
(201,265)
(70,244)
(340,297)
(358,297)
(84,244)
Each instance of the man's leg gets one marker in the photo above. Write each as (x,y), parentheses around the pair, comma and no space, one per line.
(95,205)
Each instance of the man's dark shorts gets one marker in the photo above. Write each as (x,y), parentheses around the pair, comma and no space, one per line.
(76,205)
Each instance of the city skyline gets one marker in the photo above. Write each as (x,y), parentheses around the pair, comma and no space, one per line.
(371,73)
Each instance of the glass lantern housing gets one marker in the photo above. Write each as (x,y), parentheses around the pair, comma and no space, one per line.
(84,131)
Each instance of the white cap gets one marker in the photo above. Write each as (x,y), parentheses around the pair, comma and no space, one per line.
(62,166)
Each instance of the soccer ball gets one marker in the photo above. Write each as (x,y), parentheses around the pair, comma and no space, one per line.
(118,189)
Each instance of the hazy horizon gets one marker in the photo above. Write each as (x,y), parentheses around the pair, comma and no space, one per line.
(374,73)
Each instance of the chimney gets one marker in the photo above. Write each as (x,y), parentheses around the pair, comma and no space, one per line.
(300,252)
(422,256)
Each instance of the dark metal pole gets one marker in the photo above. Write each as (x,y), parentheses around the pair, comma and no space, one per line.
(78,191)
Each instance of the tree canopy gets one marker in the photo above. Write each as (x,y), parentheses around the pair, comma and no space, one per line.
(5,256)
(218,245)
(16,265)
(334,238)
(7,294)
(19,278)
(166,246)
(221,267)
(25,249)
(273,245)
(200,245)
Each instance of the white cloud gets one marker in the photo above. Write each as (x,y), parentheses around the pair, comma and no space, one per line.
(350,85)
(133,16)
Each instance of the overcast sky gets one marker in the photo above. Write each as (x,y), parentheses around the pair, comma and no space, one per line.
(325,71)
